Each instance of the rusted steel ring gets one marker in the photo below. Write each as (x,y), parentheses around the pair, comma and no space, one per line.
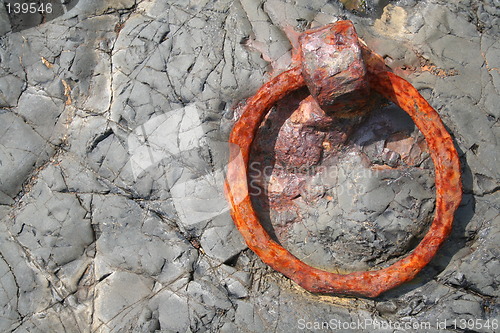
(367,283)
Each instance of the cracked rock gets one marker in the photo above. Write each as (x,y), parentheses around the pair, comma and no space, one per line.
(114,120)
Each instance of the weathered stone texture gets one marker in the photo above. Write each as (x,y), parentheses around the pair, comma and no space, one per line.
(113,118)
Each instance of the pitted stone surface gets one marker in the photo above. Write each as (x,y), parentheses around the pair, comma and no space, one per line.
(113,118)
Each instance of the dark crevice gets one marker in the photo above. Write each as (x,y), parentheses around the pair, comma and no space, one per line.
(232,260)
(105,276)
(100,138)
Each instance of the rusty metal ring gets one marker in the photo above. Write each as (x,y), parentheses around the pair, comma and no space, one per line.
(368,283)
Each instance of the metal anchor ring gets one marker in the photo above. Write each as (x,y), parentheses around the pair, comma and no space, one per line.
(372,76)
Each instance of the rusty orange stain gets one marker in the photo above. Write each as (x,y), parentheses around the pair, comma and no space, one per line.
(67,91)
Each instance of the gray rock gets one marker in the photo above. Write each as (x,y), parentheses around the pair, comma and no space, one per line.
(173,312)
(23,150)
(117,308)
(54,233)
(11,87)
(137,242)
(25,288)
(221,239)
(8,297)
(476,266)
(42,113)
(114,117)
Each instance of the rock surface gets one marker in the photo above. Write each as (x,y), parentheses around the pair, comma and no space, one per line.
(114,117)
